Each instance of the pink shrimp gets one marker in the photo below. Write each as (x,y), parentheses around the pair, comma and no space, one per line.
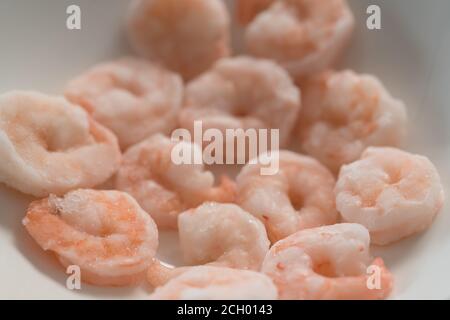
(105,233)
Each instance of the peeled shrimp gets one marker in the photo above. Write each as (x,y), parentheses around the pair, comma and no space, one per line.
(304,36)
(217,283)
(134,98)
(105,233)
(343,113)
(165,189)
(186,36)
(48,145)
(222,234)
(247,10)
(328,262)
(242,92)
(392,193)
(299,196)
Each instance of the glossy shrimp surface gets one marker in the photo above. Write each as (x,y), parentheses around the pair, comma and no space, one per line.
(343,113)
(299,196)
(105,233)
(391,192)
(329,262)
(162,187)
(304,36)
(247,10)
(242,93)
(48,145)
(217,283)
(224,235)
(132,97)
(186,36)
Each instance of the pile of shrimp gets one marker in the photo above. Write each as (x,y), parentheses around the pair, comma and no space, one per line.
(99,159)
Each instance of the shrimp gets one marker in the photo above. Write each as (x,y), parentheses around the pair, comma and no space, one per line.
(299,196)
(242,93)
(217,283)
(48,145)
(132,97)
(186,36)
(247,10)
(224,235)
(330,262)
(391,192)
(162,187)
(343,113)
(304,36)
(105,233)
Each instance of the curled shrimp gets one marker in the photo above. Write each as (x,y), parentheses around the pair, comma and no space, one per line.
(299,196)
(391,192)
(132,97)
(105,233)
(224,235)
(330,262)
(217,283)
(48,145)
(242,93)
(304,36)
(247,10)
(343,113)
(163,188)
(186,36)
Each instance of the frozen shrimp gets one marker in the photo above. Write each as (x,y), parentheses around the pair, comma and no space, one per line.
(331,262)
(242,93)
(343,113)
(217,283)
(105,233)
(224,235)
(299,196)
(48,145)
(132,97)
(186,36)
(247,10)
(163,188)
(391,192)
(304,36)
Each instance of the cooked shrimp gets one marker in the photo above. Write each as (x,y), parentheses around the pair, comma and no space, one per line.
(392,193)
(165,189)
(224,235)
(247,10)
(242,92)
(299,196)
(132,97)
(186,36)
(328,262)
(304,36)
(217,283)
(48,145)
(343,113)
(105,233)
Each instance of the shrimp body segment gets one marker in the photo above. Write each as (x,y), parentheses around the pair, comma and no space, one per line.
(186,36)
(242,93)
(48,145)
(299,196)
(343,113)
(132,97)
(304,36)
(391,192)
(105,233)
(217,283)
(247,10)
(222,234)
(150,175)
(329,262)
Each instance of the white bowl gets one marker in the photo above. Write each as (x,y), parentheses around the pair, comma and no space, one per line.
(409,54)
